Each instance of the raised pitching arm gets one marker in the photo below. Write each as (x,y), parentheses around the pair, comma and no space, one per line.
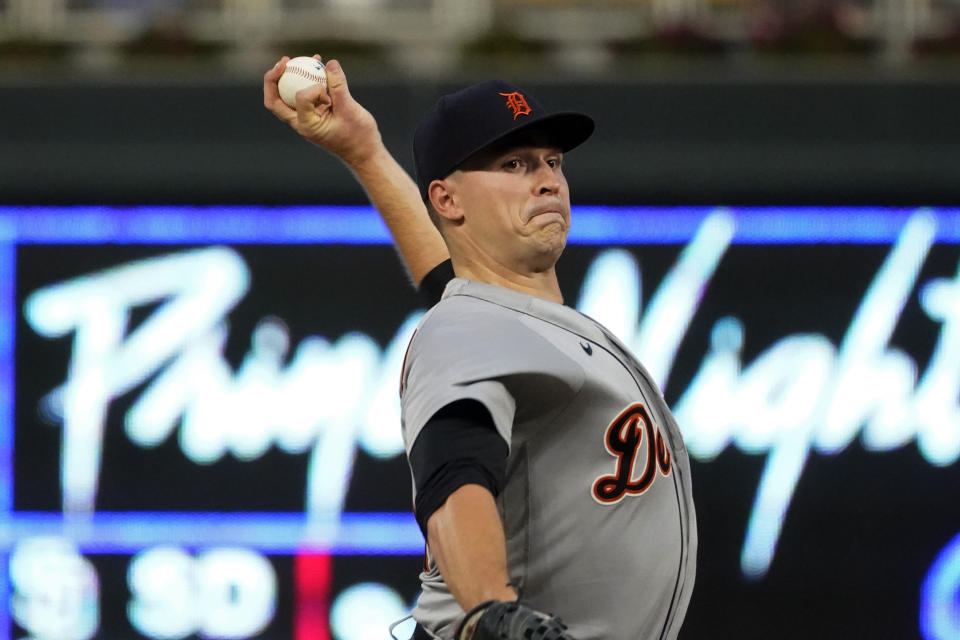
(330,118)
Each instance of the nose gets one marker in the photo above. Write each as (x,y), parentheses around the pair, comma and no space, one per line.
(548,182)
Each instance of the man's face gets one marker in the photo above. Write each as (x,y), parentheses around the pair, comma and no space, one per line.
(516,204)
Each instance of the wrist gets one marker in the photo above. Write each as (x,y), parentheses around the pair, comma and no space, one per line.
(367,157)
(505,594)
(493,593)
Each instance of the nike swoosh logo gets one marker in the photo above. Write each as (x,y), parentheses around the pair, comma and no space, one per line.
(586,348)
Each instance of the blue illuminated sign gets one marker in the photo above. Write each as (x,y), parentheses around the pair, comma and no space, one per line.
(940,597)
(802,393)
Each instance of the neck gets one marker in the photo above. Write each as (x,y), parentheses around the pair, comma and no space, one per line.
(541,284)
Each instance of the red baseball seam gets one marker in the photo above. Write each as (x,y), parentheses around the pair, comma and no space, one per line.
(303,73)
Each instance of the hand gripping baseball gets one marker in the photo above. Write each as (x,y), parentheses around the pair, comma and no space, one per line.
(494,620)
(326,116)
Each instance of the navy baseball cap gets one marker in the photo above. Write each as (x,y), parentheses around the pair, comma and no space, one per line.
(460,124)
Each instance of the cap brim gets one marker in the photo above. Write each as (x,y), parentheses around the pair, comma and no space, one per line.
(566,129)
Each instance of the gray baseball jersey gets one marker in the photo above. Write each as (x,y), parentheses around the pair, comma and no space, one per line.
(596,505)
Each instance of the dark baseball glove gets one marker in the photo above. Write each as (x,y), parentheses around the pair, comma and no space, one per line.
(494,620)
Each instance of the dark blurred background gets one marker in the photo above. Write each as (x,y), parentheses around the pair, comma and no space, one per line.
(697,101)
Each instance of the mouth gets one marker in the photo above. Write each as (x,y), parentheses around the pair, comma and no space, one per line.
(548,210)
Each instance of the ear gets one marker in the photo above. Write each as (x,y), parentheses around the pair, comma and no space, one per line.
(442,196)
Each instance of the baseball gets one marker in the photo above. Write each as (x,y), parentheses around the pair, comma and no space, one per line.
(301,72)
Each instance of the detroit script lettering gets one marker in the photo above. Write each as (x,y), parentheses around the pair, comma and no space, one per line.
(623,439)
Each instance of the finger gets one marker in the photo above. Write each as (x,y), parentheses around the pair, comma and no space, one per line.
(273,73)
(315,95)
(270,90)
(271,93)
(336,80)
(308,99)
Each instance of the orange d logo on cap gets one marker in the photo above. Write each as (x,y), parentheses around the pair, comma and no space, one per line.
(517,103)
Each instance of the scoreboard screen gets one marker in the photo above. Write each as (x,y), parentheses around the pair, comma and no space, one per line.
(199,415)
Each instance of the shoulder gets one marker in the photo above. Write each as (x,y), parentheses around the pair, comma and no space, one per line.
(469,304)
(463,323)
(479,338)
(465,311)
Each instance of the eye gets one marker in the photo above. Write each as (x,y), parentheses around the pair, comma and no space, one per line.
(511,164)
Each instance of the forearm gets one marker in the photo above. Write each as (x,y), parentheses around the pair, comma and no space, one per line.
(330,118)
(395,196)
(467,542)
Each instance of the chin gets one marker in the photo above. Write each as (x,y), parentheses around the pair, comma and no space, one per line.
(554,233)
(551,241)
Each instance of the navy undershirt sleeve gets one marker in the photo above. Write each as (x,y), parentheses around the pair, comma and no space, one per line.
(459,445)
(432,286)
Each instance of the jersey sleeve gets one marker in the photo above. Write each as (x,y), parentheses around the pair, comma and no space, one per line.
(432,286)
(470,349)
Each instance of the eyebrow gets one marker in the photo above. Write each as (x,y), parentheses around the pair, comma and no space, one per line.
(495,153)
(517,148)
